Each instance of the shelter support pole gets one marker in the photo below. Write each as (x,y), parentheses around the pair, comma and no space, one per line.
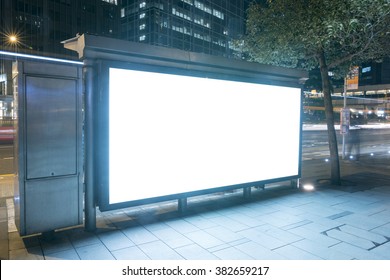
(247,192)
(182,204)
(89,197)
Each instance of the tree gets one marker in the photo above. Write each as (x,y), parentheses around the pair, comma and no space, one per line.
(331,35)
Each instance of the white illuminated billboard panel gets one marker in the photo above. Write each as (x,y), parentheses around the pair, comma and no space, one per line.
(171,134)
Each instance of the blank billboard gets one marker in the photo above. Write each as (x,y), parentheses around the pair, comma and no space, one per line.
(172,134)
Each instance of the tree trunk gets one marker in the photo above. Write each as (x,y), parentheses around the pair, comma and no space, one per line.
(332,139)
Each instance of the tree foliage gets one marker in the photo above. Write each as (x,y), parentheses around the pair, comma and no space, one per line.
(293,33)
(324,34)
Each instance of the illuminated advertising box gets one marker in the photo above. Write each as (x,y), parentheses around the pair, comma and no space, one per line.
(170,136)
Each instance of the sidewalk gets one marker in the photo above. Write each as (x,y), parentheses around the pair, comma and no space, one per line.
(338,223)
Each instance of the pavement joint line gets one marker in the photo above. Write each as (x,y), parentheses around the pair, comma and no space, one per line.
(379,244)
(337,228)
(339,215)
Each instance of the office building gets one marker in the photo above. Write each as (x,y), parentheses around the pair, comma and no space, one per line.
(203,26)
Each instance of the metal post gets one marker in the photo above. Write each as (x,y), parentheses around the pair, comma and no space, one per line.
(182,205)
(247,192)
(294,183)
(344,106)
(89,198)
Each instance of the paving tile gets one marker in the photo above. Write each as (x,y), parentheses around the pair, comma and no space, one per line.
(332,200)
(232,253)
(314,236)
(80,238)
(139,235)
(209,214)
(117,217)
(195,252)
(181,226)
(383,251)
(280,219)
(383,216)
(15,241)
(94,252)
(200,222)
(115,240)
(296,225)
(246,220)
(356,252)
(57,244)
(260,209)
(204,239)
(364,198)
(155,226)
(320,209)
(229,223)
(350,239)
(321,224)
(63,255)
(320,250)
(280,234)
(379,239)
(339,215)
(292,210)
(219,247)
(239,241)
(224,234)
(356,206)
(130,253)
(378,208)
(258,252)
(293,253)
(158,250)
(26,254)
(262,238)
(171,237)
(361,221)
(251,211)
(383,230)
(273,225)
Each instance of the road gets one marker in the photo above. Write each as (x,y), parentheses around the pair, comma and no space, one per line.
(361,140)
(314,146)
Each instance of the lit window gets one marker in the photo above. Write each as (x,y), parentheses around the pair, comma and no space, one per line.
(142,15)
(203,7)
(142,5)
(218,14)
(188,2)
(122,12)
(142,26)
(142,38)
(115,2)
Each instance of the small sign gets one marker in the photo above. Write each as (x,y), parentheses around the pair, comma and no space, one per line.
(353,78)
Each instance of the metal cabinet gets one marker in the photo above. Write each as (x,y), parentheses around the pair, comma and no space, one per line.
(49,189)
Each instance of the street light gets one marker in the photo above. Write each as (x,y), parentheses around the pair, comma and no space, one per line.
(13,39)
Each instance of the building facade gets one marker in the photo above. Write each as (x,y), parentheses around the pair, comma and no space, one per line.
(40,25)
(205,26)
